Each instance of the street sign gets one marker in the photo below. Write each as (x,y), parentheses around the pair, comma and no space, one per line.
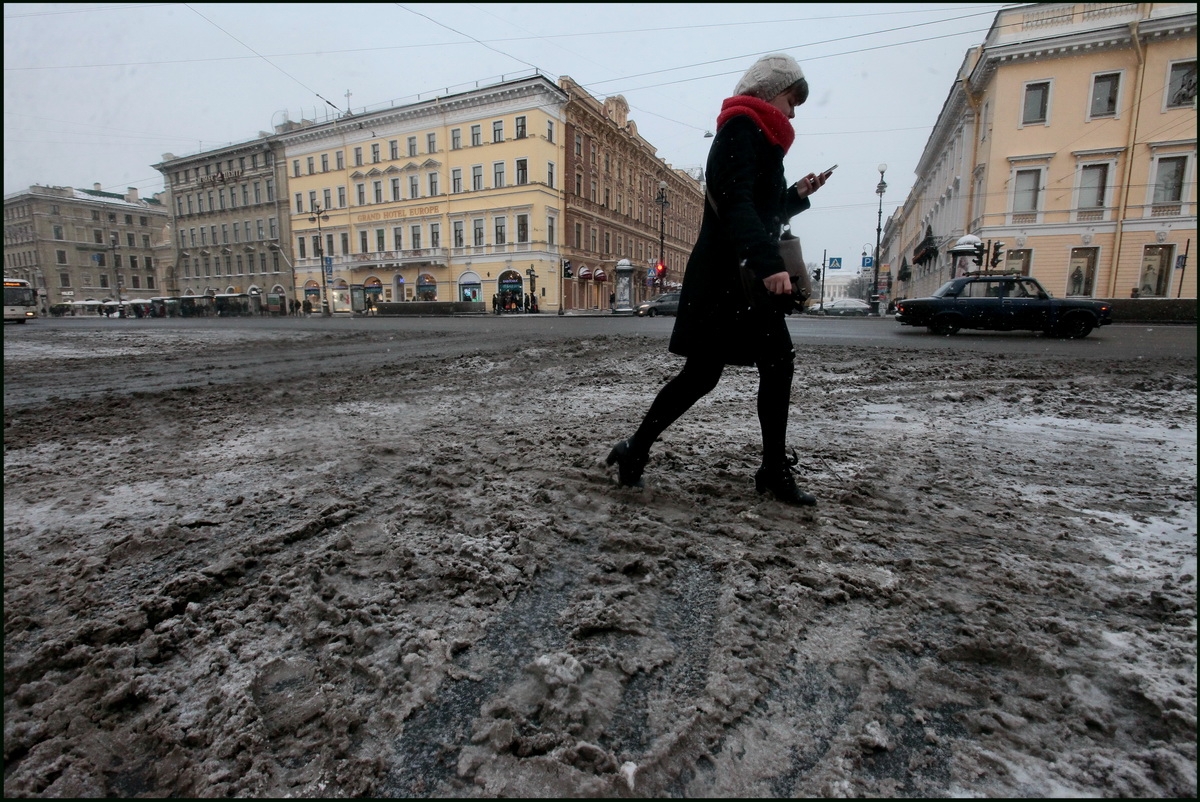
(835,263)
(329,266)
(868,261)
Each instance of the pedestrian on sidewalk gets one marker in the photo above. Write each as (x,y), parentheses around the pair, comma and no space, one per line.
(717,323)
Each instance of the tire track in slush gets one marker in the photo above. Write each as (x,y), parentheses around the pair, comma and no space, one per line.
(434,735)
(686,614)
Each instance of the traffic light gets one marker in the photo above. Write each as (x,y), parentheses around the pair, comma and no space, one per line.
(997,253)
(660,270)
(980,252)
(566,268)
(816,275)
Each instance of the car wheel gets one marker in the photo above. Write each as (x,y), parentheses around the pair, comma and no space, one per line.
(651,312)
(1074,327)
(944,326)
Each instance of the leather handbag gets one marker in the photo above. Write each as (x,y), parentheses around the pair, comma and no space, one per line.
(793,261)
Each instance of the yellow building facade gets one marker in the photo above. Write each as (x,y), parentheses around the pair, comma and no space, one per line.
(457,198)
(1070,140)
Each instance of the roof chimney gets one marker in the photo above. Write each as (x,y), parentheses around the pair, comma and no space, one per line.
(132,195)
(96,187)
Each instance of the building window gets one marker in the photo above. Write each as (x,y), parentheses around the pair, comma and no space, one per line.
(477,231)
(362,194)
(521,128)
(593,191)
(456,180)
(60,257)
(64,279)
(497,175)
(1093,186)
(1104,95)
(456,139)
(311,165)
(550,174)
(1081,273)
(476,135)
(362,242)
(295,168)
(1037,103)
(522,171)
(397,238)
(300,247)
(433,184)
(375,159)
(58,232)
(312,200)
(579,146)
(1168,185)
(414,187)
(431,143)
(380,240)
(499,240)
(551,238)
(477,177)
(550,130)
(1026,194)
(435,235)
(328,196)
(1181,86)
(415,234)
(358,157)
(341,197)
(378,187)
(458,233)
(498,130)
(324,162)
(341,161)
(522,228)
(579,235)
(412,146)
(299,202)
(345,242)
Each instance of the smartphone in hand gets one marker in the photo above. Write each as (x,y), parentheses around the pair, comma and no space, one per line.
(828,172)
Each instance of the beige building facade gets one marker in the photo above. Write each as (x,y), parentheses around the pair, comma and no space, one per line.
(1070,140)
(456,198)
(77,245)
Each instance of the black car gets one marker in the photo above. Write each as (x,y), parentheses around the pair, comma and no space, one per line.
(1002,303)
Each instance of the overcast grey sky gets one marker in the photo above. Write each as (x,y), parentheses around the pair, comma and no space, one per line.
(96,93)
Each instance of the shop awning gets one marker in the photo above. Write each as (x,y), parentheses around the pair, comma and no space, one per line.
(584,272)
(599,275)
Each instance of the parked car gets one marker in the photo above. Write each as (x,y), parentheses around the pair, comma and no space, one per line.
(665,304)
(1002,303)
(842,307)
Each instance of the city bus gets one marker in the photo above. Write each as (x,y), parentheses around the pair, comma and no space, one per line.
(20,302)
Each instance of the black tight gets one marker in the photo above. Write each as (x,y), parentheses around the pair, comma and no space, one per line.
(698,378)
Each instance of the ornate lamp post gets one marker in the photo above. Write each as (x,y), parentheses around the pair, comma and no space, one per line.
(663,203)
(318,214)
(880,188)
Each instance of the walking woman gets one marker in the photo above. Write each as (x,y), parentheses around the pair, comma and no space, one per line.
(749,202)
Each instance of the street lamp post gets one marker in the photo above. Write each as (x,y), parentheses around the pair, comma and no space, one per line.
(880,188)
(663,203)
(318,214)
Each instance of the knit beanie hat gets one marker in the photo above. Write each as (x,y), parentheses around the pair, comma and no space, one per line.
(769,76)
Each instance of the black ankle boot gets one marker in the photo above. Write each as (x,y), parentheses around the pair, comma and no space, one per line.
(779,481)
(630,463)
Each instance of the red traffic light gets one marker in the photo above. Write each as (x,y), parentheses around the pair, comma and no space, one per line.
(660,268)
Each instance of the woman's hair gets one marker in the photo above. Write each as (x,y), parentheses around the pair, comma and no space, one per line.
(800,88)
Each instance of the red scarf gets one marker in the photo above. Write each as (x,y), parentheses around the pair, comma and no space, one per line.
(771,121)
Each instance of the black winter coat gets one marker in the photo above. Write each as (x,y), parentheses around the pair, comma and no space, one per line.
(746,180)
